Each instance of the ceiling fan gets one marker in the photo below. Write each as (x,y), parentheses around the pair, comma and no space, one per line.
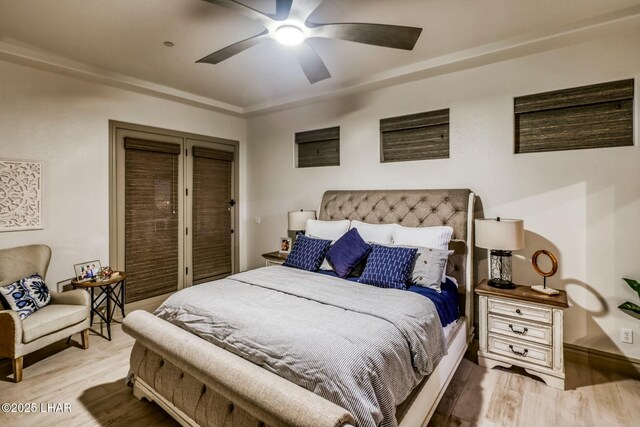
(290,26)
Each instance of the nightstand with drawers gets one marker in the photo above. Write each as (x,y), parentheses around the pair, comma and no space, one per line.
(522,327)
(274,258)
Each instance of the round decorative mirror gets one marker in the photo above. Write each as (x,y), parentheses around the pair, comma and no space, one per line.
(536,266)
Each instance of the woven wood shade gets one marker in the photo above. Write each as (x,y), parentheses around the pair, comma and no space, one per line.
(592,116)
(211,246)
(151,218)
(420,136)
(153,146)
(320,147)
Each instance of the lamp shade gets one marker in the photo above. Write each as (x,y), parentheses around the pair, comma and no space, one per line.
(500,233)
(298,219)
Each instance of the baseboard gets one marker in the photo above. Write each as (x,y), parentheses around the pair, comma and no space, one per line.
(603,360)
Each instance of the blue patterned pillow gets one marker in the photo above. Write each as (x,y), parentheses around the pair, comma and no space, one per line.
(307,253)
(26,296)
(389,267)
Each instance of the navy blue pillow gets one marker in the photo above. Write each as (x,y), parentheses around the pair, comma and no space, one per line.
(345,254)
(307,253)
(389,267)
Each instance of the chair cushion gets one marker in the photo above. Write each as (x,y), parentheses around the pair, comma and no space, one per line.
(50,319)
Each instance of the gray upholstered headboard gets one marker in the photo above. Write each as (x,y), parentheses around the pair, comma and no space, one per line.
(414,208)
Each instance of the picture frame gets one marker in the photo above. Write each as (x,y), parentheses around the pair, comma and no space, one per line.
(285,245)
(87,271)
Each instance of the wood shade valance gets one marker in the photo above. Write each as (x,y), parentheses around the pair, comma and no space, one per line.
(154,146)
(209,153)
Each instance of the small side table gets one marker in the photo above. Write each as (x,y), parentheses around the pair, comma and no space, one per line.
(274,258)
(111,291)
(524,328)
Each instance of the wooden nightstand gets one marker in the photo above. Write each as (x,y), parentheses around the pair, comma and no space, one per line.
(274,258)
(522,327)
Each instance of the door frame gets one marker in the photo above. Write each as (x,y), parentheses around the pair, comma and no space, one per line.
(116,202)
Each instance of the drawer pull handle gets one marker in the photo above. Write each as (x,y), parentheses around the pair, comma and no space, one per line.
(519,353)
(515,331)
(518,311)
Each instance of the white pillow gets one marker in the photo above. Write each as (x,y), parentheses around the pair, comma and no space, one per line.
(437,237)
(328,230)
(375,233)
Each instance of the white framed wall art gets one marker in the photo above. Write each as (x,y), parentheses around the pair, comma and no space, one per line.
(20,195)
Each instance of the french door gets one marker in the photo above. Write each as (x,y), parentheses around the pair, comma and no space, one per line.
(173,209)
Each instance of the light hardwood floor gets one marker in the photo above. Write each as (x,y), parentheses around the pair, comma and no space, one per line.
(93,382)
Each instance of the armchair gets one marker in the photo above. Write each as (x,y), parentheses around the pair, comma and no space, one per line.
(65,315)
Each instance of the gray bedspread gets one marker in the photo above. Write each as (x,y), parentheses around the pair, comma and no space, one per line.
(359,346)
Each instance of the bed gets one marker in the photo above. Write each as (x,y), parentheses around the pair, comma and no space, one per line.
(200,383)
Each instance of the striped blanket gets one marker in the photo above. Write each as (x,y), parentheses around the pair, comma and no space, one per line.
(361,347)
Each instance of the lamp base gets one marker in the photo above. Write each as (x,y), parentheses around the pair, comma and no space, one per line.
(501,284)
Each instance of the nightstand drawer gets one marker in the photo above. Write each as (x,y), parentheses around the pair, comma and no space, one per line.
(520,310)
(527,331)
(521,351)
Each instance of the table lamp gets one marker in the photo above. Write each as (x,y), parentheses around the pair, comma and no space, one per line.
(298,220)
(500,236)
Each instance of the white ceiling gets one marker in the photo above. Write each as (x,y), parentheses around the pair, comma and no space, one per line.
(125,38)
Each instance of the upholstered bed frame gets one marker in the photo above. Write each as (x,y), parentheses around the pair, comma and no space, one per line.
(200,384)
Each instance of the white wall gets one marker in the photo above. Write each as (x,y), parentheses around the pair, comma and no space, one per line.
(65,122)
(582,205)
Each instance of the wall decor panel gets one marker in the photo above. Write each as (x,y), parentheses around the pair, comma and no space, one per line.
(20,195)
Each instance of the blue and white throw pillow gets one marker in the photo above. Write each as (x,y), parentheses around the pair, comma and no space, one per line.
(307,253)
(389,267)
(26,296)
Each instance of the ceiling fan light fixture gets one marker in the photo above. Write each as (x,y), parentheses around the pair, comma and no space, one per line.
(289,35)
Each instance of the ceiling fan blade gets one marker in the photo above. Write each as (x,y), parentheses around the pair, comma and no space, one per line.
(234,49)
(393,36)
(311,63)
(283,10)
(243,9)
(302,9)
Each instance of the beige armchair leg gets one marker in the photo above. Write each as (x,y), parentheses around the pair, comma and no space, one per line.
(17,369)
(85,339)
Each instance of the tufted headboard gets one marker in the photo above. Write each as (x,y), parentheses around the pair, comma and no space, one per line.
(415,208)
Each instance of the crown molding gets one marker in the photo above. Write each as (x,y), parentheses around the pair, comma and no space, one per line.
(45,61)
(526,44)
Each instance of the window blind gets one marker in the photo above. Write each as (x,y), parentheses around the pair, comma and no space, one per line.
(320,147)
(211,246)
(420,136)
(151,218)
(584,117)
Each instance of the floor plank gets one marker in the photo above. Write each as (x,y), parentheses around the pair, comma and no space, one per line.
(93,382)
